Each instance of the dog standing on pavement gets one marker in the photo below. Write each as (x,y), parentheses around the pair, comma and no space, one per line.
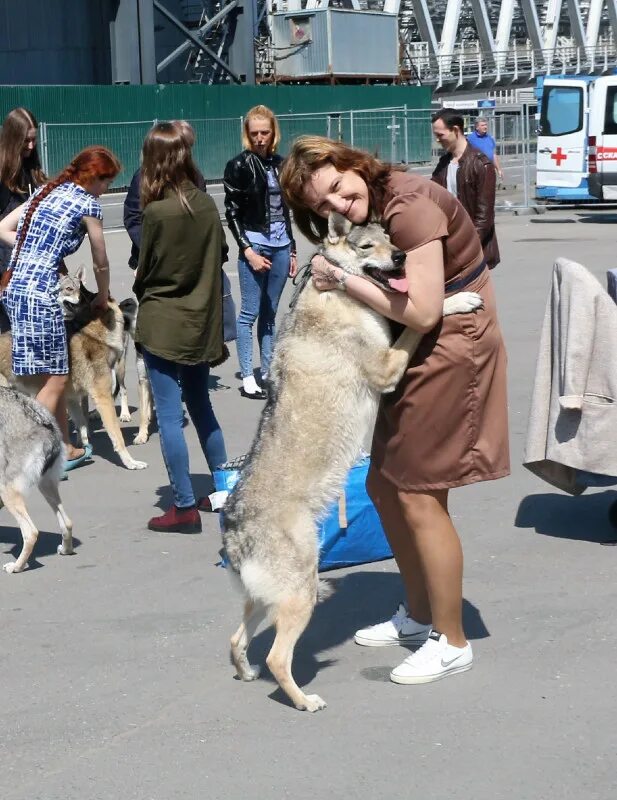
(95,346)
(31,454)
(332,361)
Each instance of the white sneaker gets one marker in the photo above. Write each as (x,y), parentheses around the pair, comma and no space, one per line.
(436,659)
(401,629)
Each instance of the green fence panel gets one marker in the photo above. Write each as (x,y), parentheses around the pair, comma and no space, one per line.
(89,104)
(62,142)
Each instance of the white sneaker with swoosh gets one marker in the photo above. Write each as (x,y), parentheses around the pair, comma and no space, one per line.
(436,659)
(401,629)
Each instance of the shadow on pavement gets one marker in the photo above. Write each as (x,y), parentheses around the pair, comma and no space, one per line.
(583,518)
(46,545)
(359,599)
(203,485)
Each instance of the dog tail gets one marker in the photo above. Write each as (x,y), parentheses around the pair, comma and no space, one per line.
(325,589)
(53,450)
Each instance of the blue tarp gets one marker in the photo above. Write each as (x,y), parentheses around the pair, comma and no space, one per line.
(360,542)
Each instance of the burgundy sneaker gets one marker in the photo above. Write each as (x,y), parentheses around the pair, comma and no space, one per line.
(204,504)
(177,520)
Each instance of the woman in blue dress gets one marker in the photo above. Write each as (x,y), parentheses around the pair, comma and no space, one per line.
(43,231)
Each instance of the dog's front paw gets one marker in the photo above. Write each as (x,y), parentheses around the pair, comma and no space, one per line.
(125,416)
(141,437)
(132,464)
(313,702)
(467,302)
(64,550)
(10,567)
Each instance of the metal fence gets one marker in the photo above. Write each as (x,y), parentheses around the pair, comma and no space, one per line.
(400,135)
(395,134)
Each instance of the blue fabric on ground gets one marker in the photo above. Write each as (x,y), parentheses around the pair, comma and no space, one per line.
(361,542)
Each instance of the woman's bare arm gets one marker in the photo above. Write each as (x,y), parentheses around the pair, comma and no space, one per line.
(420,309)
(8,226)
(99,258)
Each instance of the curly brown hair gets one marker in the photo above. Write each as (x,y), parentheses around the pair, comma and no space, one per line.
(308,154)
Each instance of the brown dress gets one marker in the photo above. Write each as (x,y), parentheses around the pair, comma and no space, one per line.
(446,424)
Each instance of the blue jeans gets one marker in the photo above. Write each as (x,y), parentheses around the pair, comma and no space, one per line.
(260,293)
(170,382)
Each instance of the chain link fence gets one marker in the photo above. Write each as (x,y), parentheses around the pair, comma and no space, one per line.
(400,135)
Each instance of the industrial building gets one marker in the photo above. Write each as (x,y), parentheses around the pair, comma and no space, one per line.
(445,44)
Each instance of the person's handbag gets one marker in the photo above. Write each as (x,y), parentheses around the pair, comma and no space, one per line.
(229,311)
(5,279)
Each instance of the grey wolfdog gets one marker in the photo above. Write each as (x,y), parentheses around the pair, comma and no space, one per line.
(32,455)
(332,361)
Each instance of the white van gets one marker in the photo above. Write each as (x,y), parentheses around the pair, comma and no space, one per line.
(577,138)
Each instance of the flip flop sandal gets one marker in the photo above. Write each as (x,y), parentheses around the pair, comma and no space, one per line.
(71,463)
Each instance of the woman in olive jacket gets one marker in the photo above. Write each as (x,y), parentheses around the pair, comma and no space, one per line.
(179,323)
(259,221)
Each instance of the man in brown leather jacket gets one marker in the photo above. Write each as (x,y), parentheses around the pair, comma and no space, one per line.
(470,176)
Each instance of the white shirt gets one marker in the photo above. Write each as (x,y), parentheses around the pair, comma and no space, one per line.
(451,178)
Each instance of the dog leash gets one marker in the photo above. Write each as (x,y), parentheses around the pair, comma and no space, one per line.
(300,279)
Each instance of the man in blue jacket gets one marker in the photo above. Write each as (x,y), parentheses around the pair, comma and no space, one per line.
(482,140)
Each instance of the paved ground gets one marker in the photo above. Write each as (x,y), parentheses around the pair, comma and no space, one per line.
(116,681)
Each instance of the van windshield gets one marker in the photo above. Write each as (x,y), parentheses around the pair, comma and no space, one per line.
(562,110)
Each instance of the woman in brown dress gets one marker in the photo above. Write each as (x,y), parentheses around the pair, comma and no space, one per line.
(446,423)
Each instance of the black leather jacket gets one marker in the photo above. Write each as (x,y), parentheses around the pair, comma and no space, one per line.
(246,197)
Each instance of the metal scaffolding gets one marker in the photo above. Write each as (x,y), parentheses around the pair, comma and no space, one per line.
(448,44)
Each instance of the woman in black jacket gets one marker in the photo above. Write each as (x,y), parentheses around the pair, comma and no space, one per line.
(20,173)
(259,221)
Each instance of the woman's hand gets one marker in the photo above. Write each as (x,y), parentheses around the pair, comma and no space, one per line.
(257,262)
(100,302)
(293,265)
(325,275)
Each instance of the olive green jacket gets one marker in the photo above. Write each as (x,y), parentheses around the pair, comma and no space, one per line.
(178,279)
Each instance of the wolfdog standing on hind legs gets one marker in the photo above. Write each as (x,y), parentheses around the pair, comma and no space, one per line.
(332,361)
(31,454)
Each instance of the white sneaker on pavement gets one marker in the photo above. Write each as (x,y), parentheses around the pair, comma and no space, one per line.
(401,629)
(436,659)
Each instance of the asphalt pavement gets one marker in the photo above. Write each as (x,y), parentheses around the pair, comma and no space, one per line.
(115,669)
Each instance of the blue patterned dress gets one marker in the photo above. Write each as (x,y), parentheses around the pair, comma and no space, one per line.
(31,299)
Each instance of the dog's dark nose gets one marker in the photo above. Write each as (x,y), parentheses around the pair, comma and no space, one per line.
(398,257)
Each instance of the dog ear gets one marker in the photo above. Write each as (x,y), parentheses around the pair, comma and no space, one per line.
(338,226)
(80,275)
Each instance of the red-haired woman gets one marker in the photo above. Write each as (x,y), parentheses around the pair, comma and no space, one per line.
(46,229)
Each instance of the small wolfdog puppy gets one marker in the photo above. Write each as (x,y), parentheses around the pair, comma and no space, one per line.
(332,361)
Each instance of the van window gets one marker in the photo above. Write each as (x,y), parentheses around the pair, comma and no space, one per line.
(610,113)
(562,110)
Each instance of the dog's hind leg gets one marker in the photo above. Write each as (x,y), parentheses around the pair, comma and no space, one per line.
(80,420)
(254,614)
(49,489)
(145,404)
(291,618)
(14,502)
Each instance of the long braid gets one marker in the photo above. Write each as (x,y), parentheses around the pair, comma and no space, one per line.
(66,175)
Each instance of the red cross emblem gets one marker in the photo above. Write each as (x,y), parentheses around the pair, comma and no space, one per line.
(558,156)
